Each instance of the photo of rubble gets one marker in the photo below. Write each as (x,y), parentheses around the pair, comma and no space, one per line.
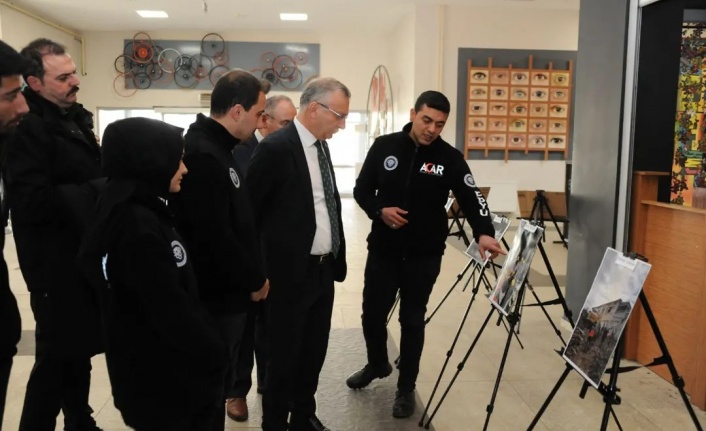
(516,266)
(604,314)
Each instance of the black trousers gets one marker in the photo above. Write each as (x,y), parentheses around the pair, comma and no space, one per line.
(414,278)
(230,327)
(5,367)
(253,349)
(58,381)
(299,329)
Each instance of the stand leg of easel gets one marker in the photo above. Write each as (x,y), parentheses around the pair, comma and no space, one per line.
(513,318)
(549,399)
(666,358)
(451,349)
(459,368)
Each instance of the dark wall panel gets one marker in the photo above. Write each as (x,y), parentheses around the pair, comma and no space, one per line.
(597,135)
(657,88)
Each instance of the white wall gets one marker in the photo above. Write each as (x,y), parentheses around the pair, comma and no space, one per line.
(18,30)
(402,68)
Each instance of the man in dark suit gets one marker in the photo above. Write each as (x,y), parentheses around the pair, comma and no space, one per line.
(279,112)
(13,107)
(298,215)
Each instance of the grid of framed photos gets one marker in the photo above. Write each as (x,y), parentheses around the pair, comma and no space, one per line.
(511,109)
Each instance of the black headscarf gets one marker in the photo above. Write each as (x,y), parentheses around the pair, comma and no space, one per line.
(140,158)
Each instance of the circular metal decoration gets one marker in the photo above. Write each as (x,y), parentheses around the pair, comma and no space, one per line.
(142,81)
(301,58)
(216,73)
(380,108)
(213,45)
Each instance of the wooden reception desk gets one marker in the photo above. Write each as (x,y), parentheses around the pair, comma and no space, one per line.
(673,238)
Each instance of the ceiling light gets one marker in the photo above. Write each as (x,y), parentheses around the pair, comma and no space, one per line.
(293,16)
(152,13)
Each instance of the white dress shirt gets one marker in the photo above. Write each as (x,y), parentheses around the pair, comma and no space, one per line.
(322,238)
(258,135)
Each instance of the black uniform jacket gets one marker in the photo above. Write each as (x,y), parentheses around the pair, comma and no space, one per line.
(215,218)
(399,173)
(283,202)
(10,324)
(159,344)
(52,164)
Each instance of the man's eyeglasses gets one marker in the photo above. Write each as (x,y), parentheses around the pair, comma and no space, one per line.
(338,116)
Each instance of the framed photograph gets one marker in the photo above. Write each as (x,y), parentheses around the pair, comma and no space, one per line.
(557,126)
(497,140)
(559,95)
(519,93)
(539,94)
(520,77)
(604,314)
(538,110)
(501,224)
(537,142)
(479,76)
(559,110)
(497,124)
(478,92)
(478,108)
(476,140)
(499,93)
(499,76)
(561,79)
(516,141)
(557,142)
(516,267)
(537,126)
(497,108)
(540,78)
(517,125)
(519,109)
(478,124)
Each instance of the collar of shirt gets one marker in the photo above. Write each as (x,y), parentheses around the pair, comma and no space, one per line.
(304,134)
(258,136)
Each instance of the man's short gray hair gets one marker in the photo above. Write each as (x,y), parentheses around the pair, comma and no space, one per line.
(319,89)
(273,101)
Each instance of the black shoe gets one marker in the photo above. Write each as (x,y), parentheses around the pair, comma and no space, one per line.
(367,374)
(404,405)
(312,423)
(316,424)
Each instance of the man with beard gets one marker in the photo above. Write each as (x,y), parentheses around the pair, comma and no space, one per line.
(279,112)
(214,215)
(52,161)
(13,107)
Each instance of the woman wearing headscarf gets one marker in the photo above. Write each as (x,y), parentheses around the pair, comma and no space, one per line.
(166,363)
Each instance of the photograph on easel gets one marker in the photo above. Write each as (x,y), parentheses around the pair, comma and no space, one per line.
(501,224)
(516,267)
(604,314)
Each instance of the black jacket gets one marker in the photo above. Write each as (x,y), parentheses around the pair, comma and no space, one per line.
(242,153)
(160,344)
(10,323)
(215,218)
(283,203)
(398,173)
(51,162)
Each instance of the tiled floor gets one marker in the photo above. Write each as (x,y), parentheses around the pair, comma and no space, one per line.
(649,403)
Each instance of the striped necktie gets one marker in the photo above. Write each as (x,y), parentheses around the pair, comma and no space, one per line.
(330,200)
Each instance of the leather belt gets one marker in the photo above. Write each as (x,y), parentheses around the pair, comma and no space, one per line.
(320,259)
